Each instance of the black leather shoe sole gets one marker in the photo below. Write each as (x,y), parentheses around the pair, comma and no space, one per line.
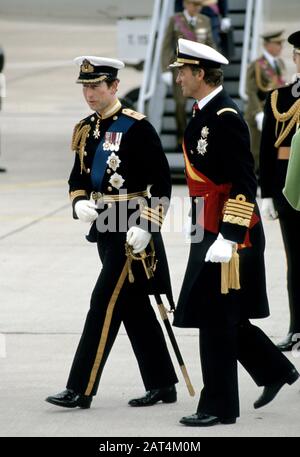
(270,392)
(151,399)
(193,421)
(84,402)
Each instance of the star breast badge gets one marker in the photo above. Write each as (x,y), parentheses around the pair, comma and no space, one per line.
(205,132)
(202,142)
(201,146)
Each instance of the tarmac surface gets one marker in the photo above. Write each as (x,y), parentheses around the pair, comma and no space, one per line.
(47,269)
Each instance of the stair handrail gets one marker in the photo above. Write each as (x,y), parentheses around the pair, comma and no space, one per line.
(253,22)
(160,16)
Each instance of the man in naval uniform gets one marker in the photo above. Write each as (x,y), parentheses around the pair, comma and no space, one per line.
(282,119)
(224,284)
(117,155)
(192,25)
(264,74)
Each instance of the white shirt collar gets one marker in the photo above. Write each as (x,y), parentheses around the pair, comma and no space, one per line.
(189,18)
(209,97)
(271,59)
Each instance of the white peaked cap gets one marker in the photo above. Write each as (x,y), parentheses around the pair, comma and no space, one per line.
(100,61)
(94,69)
(193,53)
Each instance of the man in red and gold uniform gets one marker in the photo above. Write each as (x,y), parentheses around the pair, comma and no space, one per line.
(224,284)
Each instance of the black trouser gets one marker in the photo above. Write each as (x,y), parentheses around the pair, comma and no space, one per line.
(220,349)
(134,309)
(289,220)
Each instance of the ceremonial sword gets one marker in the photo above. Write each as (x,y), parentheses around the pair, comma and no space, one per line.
(149,268)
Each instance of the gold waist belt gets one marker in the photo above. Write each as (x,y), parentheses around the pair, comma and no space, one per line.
(119,197)
(283,153)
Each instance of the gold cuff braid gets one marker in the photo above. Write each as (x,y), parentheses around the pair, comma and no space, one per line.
(238,211)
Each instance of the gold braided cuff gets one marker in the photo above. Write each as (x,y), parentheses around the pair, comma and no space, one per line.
(77,193)
(155,216)
(238,211)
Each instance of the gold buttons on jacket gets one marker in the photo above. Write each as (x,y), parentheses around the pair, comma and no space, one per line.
(85,153)
(88,170)
(108,171)
(109,189)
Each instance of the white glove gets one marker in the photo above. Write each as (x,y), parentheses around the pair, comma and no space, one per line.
(225,24)
(220,251)
(138,239)
(167,78)
(268,210)
(259,120)
(187,228)
(86,210)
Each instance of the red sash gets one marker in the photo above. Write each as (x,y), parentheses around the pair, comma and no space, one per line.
(214,197)
(183,28)
(277,80)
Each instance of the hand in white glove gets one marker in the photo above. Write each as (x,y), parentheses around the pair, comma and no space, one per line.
(225,24)
(268,210)
(259,118)
(138,239)
(167,78)
(220,251)
(86,210)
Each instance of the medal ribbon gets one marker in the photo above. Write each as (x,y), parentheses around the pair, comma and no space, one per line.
(121,125)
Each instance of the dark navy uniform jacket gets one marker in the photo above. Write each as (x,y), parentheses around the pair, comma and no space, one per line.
(219,167)
(141,164)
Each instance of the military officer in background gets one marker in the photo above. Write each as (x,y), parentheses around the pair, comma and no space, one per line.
(192,25)
(224,284)
(281,120)
(264,74)
(217,11)
(117,155)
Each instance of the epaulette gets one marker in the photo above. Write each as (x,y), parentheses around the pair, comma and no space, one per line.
(225,110)
(134,114)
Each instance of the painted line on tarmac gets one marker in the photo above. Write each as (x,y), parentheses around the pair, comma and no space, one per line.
(22,185)
(36,221)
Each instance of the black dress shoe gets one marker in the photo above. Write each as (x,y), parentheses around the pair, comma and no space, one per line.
(272,390)
(166,395)
(287,344)
(205,420)
(70,399)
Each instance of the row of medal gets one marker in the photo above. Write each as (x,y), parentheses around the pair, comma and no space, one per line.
(112,141)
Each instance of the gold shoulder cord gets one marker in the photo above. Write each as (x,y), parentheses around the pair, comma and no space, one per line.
(292,115)
(80,135)
(272,84)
